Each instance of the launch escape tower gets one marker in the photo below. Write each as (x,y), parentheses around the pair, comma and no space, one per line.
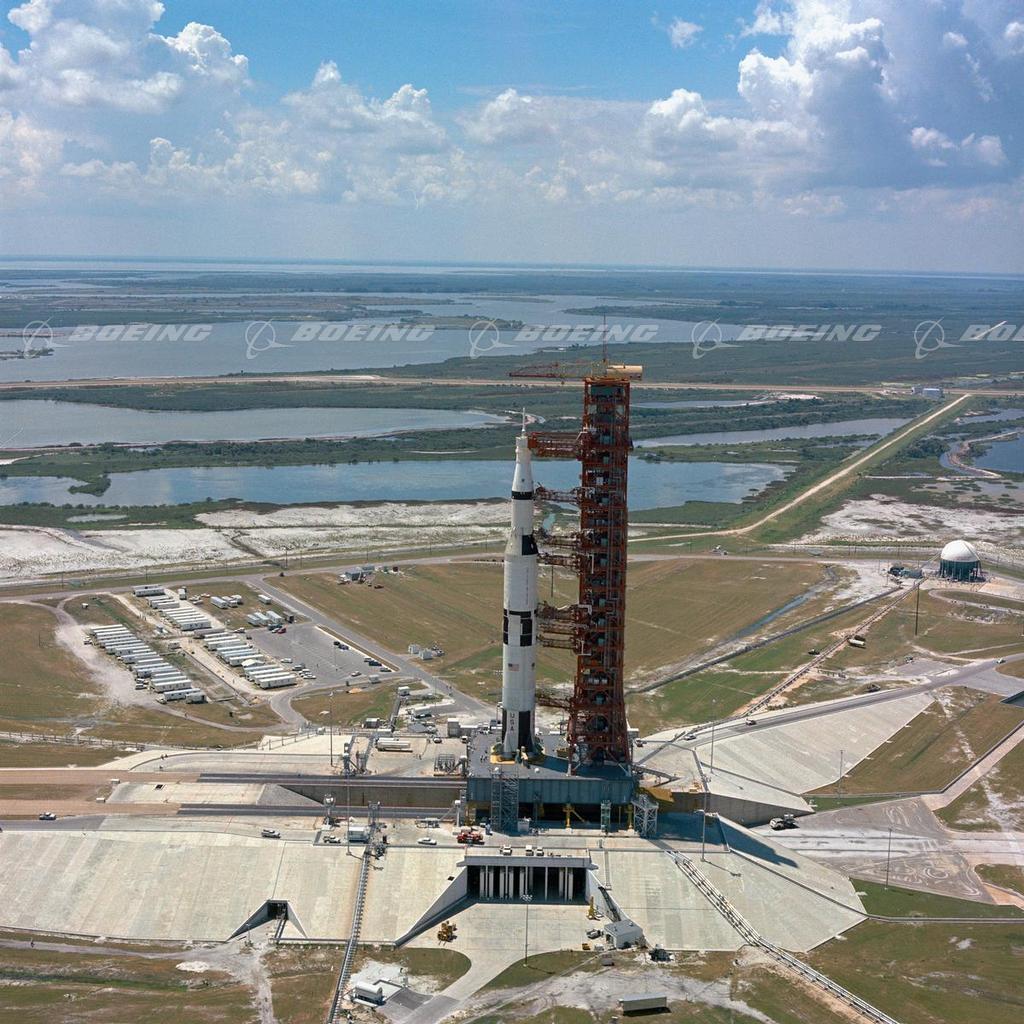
(594,627)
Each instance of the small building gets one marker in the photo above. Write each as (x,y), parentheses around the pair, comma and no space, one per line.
(624,933)
(959,562)
(643,1002)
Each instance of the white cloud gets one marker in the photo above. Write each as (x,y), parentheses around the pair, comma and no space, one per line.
(768,20)
(1014,36)
(27,152)
(683,33)
(208,54)
(866,107)
(403,122)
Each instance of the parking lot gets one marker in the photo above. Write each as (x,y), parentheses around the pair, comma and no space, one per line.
(309,645)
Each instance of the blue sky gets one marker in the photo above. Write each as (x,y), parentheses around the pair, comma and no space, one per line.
(789,133)
(615,50)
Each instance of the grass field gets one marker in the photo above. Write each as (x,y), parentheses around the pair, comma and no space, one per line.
(53,755)
(302,980)
(43,686)
(440,967)
(675,609)
(1014,669)
(723,689)
(895,902)
(1006,876)
(945,628)
(932,749)
(720,990)
(142,725)
(994,803)
(348,707)
(931,973)
(41,987)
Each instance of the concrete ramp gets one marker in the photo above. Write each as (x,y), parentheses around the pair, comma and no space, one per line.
(804,755)
(404,886)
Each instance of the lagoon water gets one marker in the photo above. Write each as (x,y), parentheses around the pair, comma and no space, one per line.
(31,423)
(651,485)
(1004,456)
(226,350)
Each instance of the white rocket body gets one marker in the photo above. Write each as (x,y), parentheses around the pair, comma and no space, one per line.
(519,659)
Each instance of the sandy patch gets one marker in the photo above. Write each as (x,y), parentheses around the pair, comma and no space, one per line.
(275,543)
(194,967)
(33,551)
(481,513)
(880,518)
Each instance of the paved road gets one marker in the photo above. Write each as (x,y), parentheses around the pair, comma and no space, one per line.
(845,470)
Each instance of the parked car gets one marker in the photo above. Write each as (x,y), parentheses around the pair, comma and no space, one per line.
(270,833)
(47,816)
(427,841)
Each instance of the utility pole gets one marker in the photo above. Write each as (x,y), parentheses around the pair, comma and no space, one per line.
(888,857)
(330,704)
(527,899)
(704,823)
(842,759)
(917,608)
(711,768)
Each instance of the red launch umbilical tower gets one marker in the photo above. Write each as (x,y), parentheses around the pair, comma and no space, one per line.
(593,628)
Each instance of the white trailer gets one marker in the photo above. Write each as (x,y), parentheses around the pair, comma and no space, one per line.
(172,686)
(195,696)
(148,671)
(174,694)
(147,590)
(394,745)
(275,682)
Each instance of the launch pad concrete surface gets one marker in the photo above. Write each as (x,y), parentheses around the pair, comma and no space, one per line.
(181,880)
(176,885)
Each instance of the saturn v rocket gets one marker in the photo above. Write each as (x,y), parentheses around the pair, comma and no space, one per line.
(519,625)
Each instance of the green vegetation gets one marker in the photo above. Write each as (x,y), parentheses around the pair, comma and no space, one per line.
(350,705)
(947,628)
(302,980)
(675,609)
(53,755)
(804,517)
(720,989)
(141,725)
(895,902)
(456,605)
(543,966)
(1006,876)
(996,803)
(440,966)
(40,986)
(43,686)
(931,973)
(932,749)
